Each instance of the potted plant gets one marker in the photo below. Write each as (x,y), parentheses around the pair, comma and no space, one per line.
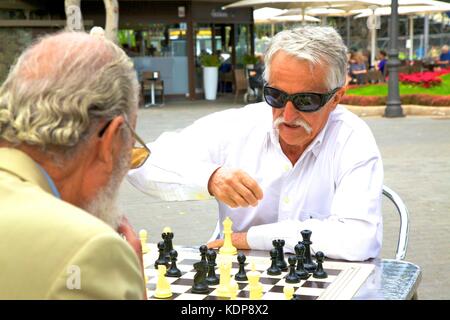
(210,64)
(249,61)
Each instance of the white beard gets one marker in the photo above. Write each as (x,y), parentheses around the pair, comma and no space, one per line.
(105,205)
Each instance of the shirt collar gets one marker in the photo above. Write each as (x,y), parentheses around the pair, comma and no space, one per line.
(18,163)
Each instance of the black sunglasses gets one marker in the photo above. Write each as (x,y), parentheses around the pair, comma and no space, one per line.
(303,101)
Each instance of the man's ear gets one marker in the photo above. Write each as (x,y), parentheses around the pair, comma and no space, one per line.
(109,143)
(337,97)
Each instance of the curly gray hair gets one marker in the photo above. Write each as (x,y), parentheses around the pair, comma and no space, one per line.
(316,45)
(61,86)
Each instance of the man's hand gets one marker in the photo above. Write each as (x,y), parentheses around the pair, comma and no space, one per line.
(234,187)
(239,240)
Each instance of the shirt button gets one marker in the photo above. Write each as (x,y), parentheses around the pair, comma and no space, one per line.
(287,168)
(286,200)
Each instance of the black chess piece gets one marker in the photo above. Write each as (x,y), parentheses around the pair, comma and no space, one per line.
(320,273)
(200,285)
(300,253)
(241,275)
(292,276)
(173,271)
(212,279)
(203,249)
(296,297)
(274,270)
(167,237)
(308,263)
(161,258)
(281,262)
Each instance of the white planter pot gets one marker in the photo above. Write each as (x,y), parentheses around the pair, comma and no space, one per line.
(210,80)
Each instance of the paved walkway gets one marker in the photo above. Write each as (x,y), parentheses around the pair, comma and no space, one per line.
(416,155)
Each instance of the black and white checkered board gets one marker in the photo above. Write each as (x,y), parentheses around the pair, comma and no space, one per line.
(343,281)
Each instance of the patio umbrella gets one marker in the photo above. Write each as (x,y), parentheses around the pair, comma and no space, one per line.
(411,11)
(300,4)
(262,16)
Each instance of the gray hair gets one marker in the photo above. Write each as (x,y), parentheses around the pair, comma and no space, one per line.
(61,86)
(316,45)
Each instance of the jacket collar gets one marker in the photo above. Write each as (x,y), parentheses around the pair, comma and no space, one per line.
(21,165)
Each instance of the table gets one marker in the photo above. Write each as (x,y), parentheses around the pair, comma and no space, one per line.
(389,280)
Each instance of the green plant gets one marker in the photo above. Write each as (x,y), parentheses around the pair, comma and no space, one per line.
(249,59)
(209,60)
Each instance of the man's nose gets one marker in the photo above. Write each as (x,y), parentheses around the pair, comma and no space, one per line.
(290,114)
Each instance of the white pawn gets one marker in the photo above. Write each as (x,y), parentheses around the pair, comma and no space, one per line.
(288,292)
(143,237)
(223,290)
(255,287)
(163,290)
(234,287)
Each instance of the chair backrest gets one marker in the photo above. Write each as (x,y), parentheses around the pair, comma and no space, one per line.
(240,79)
(402,210)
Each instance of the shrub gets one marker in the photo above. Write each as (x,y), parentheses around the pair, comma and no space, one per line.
(209,60)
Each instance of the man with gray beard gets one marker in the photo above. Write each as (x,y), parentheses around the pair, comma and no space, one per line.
(296,161)
(67,112)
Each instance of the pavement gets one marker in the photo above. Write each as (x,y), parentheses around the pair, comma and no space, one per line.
(416,157)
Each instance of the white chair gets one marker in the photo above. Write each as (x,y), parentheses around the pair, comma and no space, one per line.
(402,243)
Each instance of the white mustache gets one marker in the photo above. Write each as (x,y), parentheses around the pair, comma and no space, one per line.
(297,123)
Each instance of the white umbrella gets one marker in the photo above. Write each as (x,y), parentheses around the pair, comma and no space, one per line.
(411,11)
(294,18)
(263,14)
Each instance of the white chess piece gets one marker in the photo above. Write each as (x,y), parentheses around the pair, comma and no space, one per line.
(163,290)
(227,247)
(225,278)
(256,289)
(143,236)
(288,292)
(234,287)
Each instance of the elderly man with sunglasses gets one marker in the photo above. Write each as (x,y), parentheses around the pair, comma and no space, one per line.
(296,161)
(67,110)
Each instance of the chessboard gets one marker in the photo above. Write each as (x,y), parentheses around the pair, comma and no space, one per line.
(343,281)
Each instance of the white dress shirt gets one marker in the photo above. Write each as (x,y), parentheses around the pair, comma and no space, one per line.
(334,189)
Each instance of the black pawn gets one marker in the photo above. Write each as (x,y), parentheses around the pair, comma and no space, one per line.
(292,277)
(274,270)
(161,259)
(281,263)
(173,271)
(296,297)
(310,266)
(203,249)
(212,279)
(200,285)
(320,273)
(241,275)
(300,253)
(167,237)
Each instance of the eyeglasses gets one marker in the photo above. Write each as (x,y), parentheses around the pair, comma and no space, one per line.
(303,101)
(139,153)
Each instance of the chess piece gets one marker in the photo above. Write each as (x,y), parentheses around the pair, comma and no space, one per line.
(292,277)
(300,252)
(281,263)
(274,270)
(255,287)
(212,279)
(167,236)
(227,248)
(319,273)
(203,249)
(308,263)
(200,285)
(163,290)
(234,287)
(143,236)
(296,297)
(161,258)
(173,271)
(241,275)
(225,278)
(288,292)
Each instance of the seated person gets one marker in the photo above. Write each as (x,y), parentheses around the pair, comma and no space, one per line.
(65,147)
(381,65)
(296,161)
(444,57)
(357,68)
